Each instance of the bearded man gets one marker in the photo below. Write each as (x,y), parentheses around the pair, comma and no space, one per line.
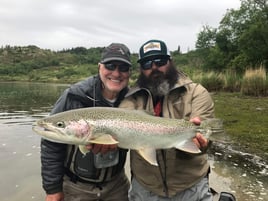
(167,92)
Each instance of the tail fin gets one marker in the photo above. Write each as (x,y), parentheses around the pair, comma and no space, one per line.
(211,126)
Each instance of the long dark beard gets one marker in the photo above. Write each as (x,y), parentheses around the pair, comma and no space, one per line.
(159,83)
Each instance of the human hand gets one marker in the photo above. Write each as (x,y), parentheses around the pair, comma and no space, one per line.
(101,148)
(199,139)
(196,120)
(55,197)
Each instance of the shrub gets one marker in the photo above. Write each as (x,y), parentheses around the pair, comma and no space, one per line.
(254,82)
(212,81)
(232,81)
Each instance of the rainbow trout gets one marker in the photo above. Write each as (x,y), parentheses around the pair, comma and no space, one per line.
(130,129)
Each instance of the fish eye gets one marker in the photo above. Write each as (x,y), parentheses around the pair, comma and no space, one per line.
(60,124)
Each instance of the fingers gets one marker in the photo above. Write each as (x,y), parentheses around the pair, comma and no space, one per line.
(100,148)
(196,120)
(196,142)
(200,141)
(55,197)
(89,146)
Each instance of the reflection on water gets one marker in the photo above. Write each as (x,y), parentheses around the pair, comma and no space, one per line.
(20,166)
(243,174)
(21,104)
(28,97)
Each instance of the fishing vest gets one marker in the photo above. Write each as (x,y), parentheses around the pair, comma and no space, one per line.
(94,168)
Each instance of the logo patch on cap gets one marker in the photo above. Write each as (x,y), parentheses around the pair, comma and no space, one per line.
(151,46)
(122,52)
(117,49)
(116,52)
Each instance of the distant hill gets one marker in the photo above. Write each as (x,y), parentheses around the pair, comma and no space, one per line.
(31,63)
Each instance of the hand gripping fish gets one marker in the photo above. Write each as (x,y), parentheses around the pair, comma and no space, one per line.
(129,129)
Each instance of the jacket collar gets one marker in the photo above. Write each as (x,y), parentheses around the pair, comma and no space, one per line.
(90,89)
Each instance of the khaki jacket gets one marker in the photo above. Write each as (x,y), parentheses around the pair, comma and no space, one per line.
(177,170)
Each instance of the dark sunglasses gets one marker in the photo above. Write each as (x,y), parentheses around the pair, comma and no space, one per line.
(121,67)
(146,65)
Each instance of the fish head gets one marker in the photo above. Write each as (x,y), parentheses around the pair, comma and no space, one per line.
(64,130)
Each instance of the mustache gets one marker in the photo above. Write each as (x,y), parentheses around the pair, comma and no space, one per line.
(156,73)
(158,81)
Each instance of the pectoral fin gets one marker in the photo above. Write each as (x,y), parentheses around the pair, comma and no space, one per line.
(101,139)
(149,155)
(188,146)
(104,139)
(83,149)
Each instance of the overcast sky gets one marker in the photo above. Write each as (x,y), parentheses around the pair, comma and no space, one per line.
(59,24)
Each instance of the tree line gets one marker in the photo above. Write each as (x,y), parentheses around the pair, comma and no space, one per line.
(239,43)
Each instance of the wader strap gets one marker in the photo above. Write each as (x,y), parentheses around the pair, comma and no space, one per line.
(70,157)
(74,178)
(163,171)
(103,174)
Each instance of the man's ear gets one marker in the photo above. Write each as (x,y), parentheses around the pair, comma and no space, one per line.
(99,66)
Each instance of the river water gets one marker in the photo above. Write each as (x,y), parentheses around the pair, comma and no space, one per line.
(21,104)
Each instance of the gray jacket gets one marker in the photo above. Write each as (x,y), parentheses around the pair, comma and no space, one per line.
(58,160)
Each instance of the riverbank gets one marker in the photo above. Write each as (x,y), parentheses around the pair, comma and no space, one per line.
(245,121)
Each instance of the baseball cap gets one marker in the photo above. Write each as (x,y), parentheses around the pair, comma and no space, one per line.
(116,52)
(153,48)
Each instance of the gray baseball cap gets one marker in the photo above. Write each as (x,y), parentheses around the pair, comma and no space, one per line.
(116,52)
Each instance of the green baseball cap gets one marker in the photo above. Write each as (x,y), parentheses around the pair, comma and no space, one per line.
(153,48)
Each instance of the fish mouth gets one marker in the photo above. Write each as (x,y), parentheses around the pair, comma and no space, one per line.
(56,135)
(41,130)
(46,132)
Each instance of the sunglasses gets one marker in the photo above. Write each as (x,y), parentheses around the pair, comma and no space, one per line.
(121,67)
(146,65)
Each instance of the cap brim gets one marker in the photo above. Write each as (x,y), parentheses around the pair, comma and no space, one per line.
(115,59)
(152,56)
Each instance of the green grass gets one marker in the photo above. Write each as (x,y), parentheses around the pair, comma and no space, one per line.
(245,121)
